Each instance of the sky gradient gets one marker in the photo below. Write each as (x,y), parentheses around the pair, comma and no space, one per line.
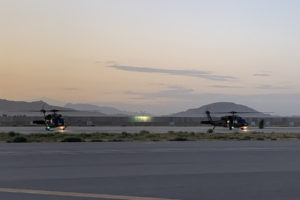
(158,56)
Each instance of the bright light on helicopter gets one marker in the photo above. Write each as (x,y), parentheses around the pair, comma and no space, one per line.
(62,127)
(244,128)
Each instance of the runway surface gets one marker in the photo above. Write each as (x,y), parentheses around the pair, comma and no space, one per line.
(151,129)
(245,170)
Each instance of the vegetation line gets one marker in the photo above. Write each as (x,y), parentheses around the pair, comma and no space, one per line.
(13,137)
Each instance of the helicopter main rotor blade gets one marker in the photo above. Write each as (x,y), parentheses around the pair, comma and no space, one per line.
(234,112)
(55,110)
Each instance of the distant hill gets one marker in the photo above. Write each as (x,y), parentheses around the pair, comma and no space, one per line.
(221,107)
(20,106)
(103,109)
(32,108)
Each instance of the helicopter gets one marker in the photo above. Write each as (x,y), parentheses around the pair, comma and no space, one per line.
(229,121)
(52,120)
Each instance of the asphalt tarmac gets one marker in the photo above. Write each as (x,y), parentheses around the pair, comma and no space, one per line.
(151,129)
(212,170)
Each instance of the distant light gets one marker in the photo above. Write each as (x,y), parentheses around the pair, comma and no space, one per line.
(141,119)
(244,128)
(62,127)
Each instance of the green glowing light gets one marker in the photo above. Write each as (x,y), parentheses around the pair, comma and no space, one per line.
(142,118)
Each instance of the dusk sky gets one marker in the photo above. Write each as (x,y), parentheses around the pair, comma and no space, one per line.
(158,56)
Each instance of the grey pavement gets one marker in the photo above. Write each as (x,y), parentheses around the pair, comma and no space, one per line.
(170,170)
(151,129)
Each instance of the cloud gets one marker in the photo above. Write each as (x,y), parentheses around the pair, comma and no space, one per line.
(261,74)
(173,92)
(133,93)
(271,87)
(191,73)
(226,86)
(71,89)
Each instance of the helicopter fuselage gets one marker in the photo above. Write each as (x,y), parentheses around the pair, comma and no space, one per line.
(228,121)
(53,120)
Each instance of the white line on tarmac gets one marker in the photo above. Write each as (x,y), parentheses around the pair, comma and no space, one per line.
(75,194)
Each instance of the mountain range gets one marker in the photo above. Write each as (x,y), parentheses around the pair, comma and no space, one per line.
(23,106)
(107,110)
(33,108)
(221,108)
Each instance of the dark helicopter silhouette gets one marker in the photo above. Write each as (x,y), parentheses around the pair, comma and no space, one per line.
(229,121)
(52,120)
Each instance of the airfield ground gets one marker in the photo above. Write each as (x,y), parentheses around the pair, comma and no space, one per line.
(115,134)
(150,129)
(143,136)
(261,170)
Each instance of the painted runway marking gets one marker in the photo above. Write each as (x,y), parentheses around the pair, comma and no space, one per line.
(75,194)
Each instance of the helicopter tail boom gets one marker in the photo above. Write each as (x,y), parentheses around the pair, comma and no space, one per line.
(38,122)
